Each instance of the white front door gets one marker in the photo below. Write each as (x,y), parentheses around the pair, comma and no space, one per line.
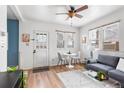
(40,49)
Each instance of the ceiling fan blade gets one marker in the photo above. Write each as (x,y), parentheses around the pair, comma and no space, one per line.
(79,16)
(61,13)
(72,8)
(81,8)
(67,18)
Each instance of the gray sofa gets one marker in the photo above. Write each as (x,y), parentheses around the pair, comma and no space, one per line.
(117,75)
(103,63)
(107,64)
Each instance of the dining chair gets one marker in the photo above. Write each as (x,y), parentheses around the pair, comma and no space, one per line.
(76,59)
(61,59)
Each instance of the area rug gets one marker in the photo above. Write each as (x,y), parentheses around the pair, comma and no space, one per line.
(80,79)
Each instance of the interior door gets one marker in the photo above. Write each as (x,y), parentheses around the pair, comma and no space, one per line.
(40,49)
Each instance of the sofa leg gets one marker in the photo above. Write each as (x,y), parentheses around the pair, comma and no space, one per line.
(122,85)
(107,77)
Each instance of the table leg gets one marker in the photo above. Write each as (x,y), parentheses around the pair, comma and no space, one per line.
(69,61)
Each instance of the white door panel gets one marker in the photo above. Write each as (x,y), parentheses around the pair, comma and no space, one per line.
(41,49)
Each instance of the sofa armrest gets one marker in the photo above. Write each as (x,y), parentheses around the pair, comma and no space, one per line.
(91,61)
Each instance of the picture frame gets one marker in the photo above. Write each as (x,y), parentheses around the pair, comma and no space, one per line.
(25,37)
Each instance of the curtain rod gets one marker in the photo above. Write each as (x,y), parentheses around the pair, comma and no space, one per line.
(105,25)
(64,31)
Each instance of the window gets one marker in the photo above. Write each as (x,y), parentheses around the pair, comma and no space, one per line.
(65,39)
(106,36)
(111,37)
(70,40)
(94,37)
(41,39)
(60,40)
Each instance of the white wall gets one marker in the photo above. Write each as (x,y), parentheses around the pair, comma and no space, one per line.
(117,15)
(26,52)
(3,17)
(3,28)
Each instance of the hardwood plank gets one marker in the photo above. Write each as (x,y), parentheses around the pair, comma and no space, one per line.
(49,79)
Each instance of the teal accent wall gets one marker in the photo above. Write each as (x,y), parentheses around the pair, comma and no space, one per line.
(13,42)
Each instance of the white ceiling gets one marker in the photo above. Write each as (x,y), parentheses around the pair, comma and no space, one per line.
(48,13)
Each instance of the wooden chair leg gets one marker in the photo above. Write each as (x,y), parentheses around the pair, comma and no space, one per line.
(71,60)
(61,63)
(58,62)
(74,61)
(79,61)
(64,62)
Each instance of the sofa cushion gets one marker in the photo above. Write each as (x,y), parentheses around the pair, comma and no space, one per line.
(117,75)
(99,67)
(108,60)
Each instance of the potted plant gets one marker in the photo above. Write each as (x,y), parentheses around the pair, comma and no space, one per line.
(101,75)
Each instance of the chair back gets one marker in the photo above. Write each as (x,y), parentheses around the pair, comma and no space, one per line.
(59,56)
(79,54)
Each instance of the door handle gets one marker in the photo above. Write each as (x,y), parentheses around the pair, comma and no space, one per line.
(34,51)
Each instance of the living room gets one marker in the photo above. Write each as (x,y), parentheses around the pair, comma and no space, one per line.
(58,44)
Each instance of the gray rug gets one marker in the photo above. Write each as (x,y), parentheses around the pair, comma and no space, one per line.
(80,79)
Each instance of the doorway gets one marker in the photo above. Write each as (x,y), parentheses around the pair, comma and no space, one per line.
(40,52)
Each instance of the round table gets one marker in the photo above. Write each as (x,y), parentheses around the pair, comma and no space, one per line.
(68,56)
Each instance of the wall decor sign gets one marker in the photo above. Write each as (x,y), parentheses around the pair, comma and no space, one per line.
(3,40)
(83,39)
(25,37)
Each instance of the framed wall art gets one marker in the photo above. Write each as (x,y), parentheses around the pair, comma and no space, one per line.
(25,37)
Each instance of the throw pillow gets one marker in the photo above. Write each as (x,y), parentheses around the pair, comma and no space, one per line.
(120,65)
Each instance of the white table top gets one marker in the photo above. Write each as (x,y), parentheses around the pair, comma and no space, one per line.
(72,54)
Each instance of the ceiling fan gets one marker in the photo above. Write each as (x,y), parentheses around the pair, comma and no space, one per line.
(73,12)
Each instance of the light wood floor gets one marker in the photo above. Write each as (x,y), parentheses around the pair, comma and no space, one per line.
(49,79)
